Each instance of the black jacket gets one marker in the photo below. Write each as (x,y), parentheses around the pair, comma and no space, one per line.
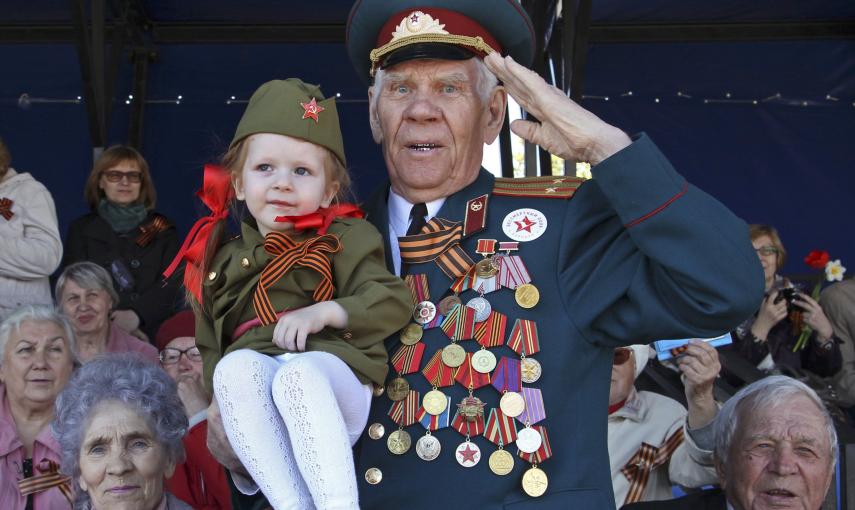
(704,500)
(90,238)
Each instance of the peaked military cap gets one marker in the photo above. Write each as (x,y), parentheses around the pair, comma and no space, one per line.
(292,108)
(382,33)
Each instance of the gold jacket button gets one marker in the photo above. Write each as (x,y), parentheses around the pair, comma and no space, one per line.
(378,390)
(244,263)
(212,275)
(376,431)
(373,476)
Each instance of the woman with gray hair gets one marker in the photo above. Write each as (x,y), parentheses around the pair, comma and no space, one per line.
(85,293)
(120,426)
(37,359)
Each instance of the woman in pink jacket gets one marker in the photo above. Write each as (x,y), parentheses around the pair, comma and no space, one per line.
(37,348)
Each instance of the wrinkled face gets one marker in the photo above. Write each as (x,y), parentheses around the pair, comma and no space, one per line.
(184,366)
(623,376)
(88,309)
(768,253)
(780,459)
(123,191)
(37,362)
(433,126)
(283,176)
(122,464)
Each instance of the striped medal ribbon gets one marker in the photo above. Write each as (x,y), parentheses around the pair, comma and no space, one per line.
(404,411)
(437,373)
(470,378)
(524,339)
(542,453)
(500,429)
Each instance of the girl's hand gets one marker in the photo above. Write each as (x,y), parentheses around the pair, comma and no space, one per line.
(815,317)
(770,314)
(294,327)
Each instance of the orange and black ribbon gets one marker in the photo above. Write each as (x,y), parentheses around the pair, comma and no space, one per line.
(439,241)
(6,208)
(645,460)
(418,285)
(311,253)
(49,478)
(151,229)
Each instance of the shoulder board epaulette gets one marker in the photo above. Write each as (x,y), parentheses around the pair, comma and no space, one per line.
(557,186)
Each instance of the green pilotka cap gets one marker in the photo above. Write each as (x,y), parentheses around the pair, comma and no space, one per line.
(292,108)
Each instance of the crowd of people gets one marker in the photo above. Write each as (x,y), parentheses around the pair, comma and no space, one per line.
(324,357)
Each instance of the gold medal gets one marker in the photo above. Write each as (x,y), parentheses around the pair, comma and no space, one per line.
(483,361)
(512,404)
(399,442)
(471,408)
(485,268)
(535,482)
(428,447)
(453,355)
(373,476)
(447,304)
(435,402)
(397,389)
(527,295)
(411,334)
(530,370)
(501,462)
(376,431)
(425,312)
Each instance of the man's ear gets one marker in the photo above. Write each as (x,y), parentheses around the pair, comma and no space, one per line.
(374,118)
(495,113)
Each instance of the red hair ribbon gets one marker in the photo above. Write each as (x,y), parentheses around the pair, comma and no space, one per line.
(322,218)
(216,194)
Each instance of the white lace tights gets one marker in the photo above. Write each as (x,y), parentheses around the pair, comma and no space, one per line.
(292,420)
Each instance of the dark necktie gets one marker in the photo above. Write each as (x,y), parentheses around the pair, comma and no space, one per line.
(417,217)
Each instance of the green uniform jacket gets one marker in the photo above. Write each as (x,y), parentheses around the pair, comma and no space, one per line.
(377,302)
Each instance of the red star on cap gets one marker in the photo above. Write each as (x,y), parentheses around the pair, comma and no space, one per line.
(312,109)
(468,454)
(525,224)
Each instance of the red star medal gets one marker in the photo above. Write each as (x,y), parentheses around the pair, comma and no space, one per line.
(312,109)
(525,224)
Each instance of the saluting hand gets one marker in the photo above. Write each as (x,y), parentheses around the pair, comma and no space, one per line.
(294,327)
(565,129)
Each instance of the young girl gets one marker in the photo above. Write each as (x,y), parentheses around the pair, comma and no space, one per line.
(299,304)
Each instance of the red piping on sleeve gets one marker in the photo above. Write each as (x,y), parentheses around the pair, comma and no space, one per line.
(659,209)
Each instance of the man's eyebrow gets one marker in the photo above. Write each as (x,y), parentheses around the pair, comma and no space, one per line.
(456,77)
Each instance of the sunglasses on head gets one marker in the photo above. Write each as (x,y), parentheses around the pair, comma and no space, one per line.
(622,355)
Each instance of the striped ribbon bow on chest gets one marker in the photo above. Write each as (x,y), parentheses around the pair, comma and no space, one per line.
(645,460)
(6,208)
(151,229)
(50,477)
(287,253)
(439,241)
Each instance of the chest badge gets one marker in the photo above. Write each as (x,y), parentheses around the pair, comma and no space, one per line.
(524,224)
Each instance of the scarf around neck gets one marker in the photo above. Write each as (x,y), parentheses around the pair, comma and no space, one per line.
(122,219)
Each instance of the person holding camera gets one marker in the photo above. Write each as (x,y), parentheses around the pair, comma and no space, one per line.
(768,338)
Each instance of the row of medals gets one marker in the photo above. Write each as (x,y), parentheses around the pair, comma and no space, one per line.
(512,404)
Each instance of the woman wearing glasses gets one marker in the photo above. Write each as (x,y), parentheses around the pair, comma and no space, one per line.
(767,338)
(128,238)
(199,481)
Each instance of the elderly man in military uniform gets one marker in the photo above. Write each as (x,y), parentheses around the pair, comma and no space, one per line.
(497,392)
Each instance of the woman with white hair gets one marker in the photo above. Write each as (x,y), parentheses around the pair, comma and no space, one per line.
(85,294)
(120,424)
(37,348)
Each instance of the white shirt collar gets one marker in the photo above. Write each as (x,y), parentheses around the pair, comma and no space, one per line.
(399,220)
